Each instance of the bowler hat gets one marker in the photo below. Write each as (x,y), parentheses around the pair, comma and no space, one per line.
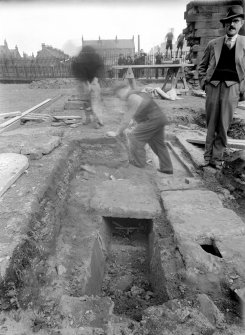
(234,11)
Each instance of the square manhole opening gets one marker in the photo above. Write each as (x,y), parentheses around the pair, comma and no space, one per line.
(129,226)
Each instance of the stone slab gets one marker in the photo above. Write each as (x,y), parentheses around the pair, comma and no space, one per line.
(123,198)
(199,215)
(11,167)
(188,200)
(205,225)
(176,184)
(195,153)
(29,144)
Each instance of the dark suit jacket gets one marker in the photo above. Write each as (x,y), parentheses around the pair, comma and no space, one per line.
(211,57)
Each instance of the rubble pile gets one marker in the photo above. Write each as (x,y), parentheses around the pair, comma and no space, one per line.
(237,129)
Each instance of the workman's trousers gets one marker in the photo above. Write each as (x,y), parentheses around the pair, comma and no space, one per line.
(221,102)
(151,132)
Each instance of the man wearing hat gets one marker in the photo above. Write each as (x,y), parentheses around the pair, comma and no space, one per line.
(221,74)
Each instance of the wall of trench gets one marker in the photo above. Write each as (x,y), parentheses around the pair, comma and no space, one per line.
(69,250)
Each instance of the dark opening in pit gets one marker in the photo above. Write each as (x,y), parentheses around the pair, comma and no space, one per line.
(211,249)
(127,274)
(129,226)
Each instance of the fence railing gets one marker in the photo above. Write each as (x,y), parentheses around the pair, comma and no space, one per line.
(29,70)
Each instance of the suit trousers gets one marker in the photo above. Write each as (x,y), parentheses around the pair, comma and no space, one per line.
(221,102)
(151,132)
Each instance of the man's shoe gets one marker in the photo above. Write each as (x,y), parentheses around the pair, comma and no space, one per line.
(165,171)
(205,163)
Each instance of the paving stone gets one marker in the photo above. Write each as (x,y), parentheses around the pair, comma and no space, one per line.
(123,198)
(175,184)
(198,215)
(205,225)
(188,200)
(11,168)
(24,144)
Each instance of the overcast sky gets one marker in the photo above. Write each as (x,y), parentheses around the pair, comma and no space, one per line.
(61,24)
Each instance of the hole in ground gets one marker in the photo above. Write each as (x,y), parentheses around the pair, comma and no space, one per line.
(211,249)
(127,275)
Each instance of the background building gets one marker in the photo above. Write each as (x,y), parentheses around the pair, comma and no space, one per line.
(110,50)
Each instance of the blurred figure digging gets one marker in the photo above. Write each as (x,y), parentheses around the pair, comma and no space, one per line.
(149,123)
(87,67)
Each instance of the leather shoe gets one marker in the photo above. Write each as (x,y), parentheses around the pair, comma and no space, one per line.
(205,163)
(165,171)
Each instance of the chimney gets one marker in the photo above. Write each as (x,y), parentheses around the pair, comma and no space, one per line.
(138,43)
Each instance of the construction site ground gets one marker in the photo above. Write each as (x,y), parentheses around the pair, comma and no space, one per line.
(93,245)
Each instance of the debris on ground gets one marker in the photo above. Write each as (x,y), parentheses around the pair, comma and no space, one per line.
(157,92)
(198,93)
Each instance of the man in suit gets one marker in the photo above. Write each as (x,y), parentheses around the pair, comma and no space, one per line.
(221,74)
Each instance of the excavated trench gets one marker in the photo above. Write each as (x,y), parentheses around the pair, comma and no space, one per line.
(121,264)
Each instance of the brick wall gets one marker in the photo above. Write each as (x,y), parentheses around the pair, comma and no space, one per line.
(203,23)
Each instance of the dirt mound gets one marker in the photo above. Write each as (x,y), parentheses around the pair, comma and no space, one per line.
(237,129)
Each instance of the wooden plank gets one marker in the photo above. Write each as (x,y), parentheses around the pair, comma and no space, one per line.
(155,66)
(67,117)
(11,167)
(9,114)
(6,124)
(236,144)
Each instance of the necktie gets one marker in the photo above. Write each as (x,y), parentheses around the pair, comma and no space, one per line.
(228,42)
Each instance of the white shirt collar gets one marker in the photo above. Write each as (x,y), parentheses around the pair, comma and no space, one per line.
(232,39)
